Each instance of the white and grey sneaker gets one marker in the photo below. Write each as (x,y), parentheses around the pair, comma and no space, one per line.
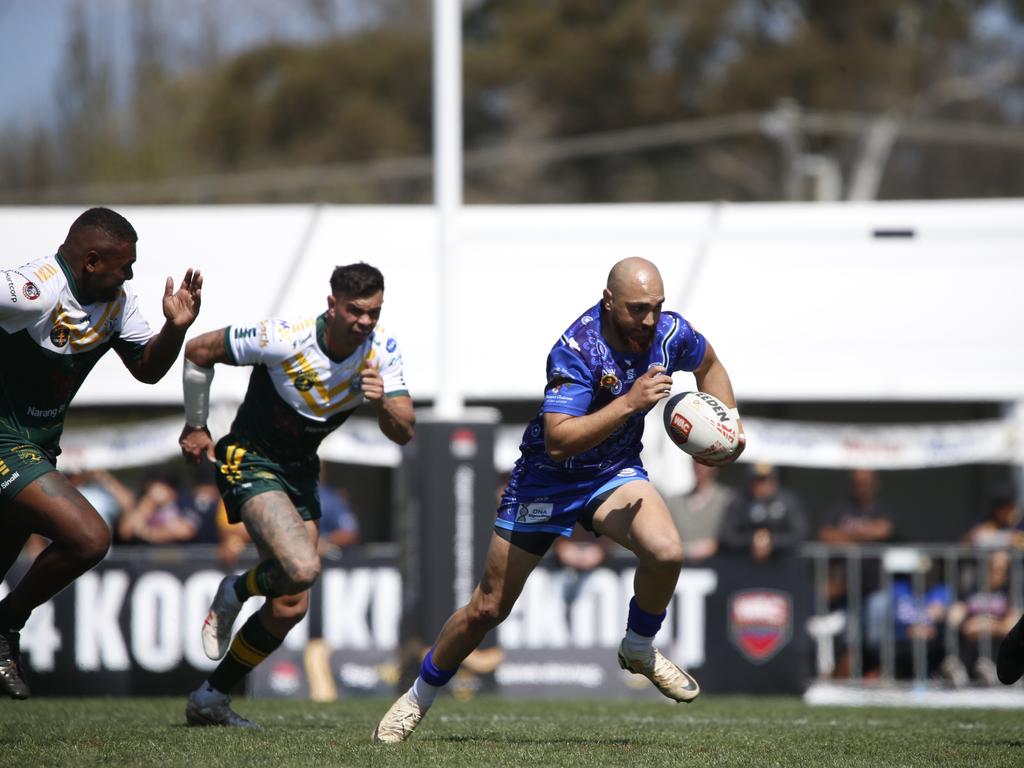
(220,619)
(672,681)
(207,706)
(399,721)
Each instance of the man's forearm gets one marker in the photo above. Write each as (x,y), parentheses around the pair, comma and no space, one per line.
(160,353)
(396,419)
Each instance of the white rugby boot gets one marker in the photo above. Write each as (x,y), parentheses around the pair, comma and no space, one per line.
(399,721)
(207,706)
(672,681)
(220,619)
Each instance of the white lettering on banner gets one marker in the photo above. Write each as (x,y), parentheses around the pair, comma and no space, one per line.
(547,616)
(99,643)
(386,606)
(200,588)
(594,614)
(41,638)
(462,587)
(351,598)
(690,618)
(156,621)
(298,636)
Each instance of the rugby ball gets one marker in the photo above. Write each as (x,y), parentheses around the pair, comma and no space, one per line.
(701,425)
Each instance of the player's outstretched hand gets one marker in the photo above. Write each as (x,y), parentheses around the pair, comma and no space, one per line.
(653,386)
(195,443)
(372,384)
(181,307)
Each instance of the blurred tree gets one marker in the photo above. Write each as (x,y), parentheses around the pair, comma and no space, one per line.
(565,100)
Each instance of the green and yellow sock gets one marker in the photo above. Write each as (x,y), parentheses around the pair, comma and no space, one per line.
(250,646)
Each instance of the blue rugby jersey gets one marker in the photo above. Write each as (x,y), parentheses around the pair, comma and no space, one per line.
(592,374)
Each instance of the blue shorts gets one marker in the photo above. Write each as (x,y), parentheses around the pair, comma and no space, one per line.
(533,503)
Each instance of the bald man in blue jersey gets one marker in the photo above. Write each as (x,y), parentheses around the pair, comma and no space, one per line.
(580,462)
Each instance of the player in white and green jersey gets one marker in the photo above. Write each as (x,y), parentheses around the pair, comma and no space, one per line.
(58,316)
(309,375)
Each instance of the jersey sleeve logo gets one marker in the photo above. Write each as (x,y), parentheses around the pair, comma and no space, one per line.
(391,345)
(30,291)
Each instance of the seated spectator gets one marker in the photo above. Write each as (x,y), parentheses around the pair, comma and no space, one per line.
(765,521)
(204,502)
(579,555)
(861,517)
(107,495)
(339,526)
(1004,526)
(698,514)
(232,539)
(985,613)
(158,516)
(916,618)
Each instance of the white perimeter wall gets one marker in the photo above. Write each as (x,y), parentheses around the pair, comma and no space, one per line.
(801,301)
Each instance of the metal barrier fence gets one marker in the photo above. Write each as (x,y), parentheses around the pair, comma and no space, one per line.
(917,612)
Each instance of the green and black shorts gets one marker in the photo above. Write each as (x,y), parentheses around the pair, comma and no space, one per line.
(242,474)
(21,462)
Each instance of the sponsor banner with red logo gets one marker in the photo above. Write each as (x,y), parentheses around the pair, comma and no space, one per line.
(131,626)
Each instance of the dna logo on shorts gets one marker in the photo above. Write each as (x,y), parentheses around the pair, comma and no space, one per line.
(534,513)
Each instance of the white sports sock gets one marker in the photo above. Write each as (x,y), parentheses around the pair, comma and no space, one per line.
(206,694)
(637,646)
(423,693)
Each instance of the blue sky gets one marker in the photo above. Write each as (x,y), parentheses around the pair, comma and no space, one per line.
(33,35)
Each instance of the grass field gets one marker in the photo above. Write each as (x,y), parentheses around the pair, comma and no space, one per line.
(717,731)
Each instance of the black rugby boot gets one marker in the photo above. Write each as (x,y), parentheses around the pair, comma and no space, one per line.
(12,674)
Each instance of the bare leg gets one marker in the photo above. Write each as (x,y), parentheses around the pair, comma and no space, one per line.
(53,507)
(636,517)
(280,614)
(505,572)
(281,534)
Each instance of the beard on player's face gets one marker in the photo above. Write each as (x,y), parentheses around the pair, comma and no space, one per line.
(635,335)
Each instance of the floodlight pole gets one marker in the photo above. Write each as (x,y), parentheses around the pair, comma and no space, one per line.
(447,197)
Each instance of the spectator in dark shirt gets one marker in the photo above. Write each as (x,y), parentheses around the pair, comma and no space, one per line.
(861,517)
(767,520)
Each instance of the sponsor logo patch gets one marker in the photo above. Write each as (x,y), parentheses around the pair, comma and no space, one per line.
(305,382)
(609,381)
(59,335)
(534,513)
(681,428)
(9,480)
(391,345)
(760,622)
(30,291)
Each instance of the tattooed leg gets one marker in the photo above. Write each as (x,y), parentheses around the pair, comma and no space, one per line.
(281,536)
(53,507)
(280,614)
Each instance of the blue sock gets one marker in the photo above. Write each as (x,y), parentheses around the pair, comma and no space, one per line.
(642,622)
(433,675)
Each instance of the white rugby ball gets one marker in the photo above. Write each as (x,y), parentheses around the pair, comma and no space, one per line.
(701,425)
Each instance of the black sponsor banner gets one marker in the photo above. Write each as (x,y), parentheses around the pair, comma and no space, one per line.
(737,626)
(131,626)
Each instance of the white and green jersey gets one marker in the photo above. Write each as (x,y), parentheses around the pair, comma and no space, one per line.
(297,393)
(50,340)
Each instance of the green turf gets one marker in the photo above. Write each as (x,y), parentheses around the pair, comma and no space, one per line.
(719,731)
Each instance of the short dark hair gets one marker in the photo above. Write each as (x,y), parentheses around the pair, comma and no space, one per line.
(356,280)
(111,223)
